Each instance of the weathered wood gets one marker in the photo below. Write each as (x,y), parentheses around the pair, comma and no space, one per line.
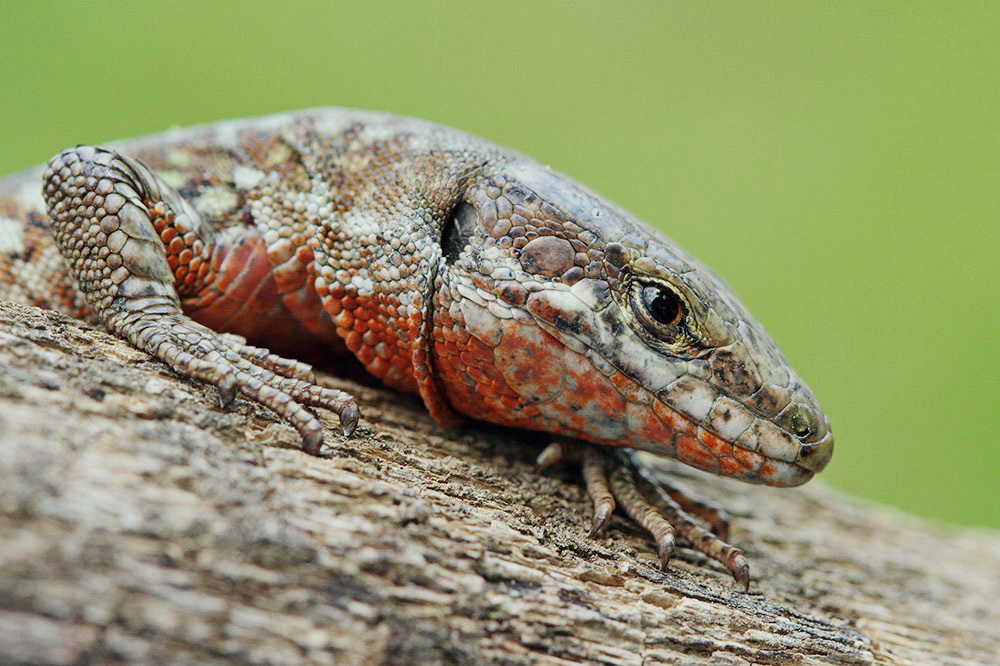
(140,523)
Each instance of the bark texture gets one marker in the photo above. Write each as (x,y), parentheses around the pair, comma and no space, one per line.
(141,523)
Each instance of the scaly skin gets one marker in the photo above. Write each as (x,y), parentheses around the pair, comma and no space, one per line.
(492,286)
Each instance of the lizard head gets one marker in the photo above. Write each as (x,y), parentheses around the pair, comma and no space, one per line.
(556,310)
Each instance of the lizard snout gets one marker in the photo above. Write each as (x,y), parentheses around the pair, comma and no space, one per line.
(814,456)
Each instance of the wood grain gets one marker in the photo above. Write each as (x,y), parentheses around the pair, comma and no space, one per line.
(141,523)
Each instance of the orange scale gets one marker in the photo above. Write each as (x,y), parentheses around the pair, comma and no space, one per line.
(672,419)
(749,459)
(767,470)
(378,367)
(593,387)
(367,355)
(650,426)
(332,307)
(694,453)
(321,287)
(715,443)
(496,406)
(446,356)
(480,349)
(345,320)
(478,375)
(730,466)
(627,387)
(509,401)
(352,339)
(444,318)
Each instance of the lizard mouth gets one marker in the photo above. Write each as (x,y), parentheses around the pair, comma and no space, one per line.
(735,443)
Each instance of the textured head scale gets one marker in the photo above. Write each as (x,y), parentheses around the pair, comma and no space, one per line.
(556,310)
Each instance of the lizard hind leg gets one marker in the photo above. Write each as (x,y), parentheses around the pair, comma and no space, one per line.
(651,503)
(102,206)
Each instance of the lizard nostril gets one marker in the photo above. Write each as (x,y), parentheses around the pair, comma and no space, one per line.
(801,423)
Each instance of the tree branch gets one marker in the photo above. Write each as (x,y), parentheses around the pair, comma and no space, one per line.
(140,522)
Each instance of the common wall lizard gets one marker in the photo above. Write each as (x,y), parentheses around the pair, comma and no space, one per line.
(490,285)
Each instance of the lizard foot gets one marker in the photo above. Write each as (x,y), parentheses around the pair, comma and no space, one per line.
(283,385)
(594,474)
(113,219)
(662,509)
(286,367)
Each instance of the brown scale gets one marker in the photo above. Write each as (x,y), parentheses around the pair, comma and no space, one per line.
(549,247)
(37,275)
(544,240)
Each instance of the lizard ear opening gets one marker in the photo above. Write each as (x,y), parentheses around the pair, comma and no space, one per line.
(457,230)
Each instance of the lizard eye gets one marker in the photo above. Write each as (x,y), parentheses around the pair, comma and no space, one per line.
(661,304)
(457,230)
(659,309)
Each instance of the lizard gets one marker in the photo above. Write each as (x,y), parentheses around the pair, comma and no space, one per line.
(491,285)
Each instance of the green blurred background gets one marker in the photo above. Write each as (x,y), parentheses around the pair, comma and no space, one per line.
(838,163)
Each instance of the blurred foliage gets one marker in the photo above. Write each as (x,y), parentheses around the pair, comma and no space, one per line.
(838,163)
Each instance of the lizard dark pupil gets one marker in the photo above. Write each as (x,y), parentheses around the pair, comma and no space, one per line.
(662,305)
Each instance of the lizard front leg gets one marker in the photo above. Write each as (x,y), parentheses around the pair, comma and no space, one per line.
(663,509)
(110,218)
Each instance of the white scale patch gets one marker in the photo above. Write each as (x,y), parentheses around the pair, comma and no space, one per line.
(214,201)
(247,178)
(11,236)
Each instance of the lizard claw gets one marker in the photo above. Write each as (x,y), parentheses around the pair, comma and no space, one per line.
(199,352)
(643,496)
(227,389)
(665,549)
(349,418)
(602,514)
(555,452)
(595,475)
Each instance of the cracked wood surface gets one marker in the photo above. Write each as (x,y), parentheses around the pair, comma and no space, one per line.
(140,523)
